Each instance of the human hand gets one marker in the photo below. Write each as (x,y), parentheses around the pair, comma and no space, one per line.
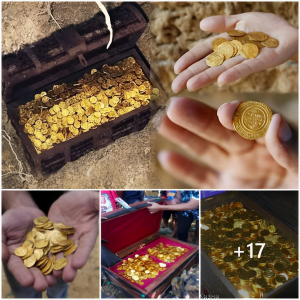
(154,208)
(195,74)
(79,209)
(16,223)
(230,160)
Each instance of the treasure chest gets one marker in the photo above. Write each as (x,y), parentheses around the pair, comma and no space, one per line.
(46,86)
(278,209)
(132,234)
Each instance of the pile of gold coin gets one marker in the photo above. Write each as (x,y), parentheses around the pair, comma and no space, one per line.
(242,43)
(252,119)
(231,226)
(70,109)
(140,268)
(168,253)
(46,237)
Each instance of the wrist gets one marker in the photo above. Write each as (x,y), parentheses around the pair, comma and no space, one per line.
(16,199)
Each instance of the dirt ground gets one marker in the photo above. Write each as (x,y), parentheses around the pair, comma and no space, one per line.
(110,291)
(131,161)
(85,285)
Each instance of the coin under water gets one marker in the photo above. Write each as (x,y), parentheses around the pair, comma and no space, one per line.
(252,119)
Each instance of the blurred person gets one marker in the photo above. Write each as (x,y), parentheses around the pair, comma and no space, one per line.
(20,208)
(186,203)
(131,197)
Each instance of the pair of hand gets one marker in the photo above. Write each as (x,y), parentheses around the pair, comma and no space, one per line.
(228,160)
(77,209)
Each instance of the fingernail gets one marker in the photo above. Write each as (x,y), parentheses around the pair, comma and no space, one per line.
(162,155)
(285,133)
(219,85)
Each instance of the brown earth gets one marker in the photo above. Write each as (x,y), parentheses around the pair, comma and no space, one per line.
(85,285)
(173,28)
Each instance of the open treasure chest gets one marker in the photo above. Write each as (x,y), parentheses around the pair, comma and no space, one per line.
(244,221)
(67,94)
(147,261)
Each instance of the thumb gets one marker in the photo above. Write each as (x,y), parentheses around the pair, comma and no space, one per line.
(282,144)
(5,253)
(220,23)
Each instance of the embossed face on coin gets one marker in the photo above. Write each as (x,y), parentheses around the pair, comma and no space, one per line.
(252,119)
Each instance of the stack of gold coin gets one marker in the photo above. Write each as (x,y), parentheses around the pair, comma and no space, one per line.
(70,109)
(242,43)
(46,237)
(140,268)
(235,229)
(167,253)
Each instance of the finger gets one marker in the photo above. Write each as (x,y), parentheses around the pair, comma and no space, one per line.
(40,283)
(196,53)
(51,280)
(181,80)
(85,246)
(212,74)
(20,272)
(202,120)
(187,171)
(5,253)
(249,66)
(220,23)
(226,112)
(200,148)
(281,144)
(69,273)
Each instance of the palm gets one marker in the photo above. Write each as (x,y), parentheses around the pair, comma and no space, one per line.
(195,74)
(16,223)
(80,210)
(228,160)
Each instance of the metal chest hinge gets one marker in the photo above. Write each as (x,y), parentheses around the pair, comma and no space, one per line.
(73,43)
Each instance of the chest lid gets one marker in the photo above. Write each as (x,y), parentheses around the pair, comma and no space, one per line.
(126,227)
(70,50)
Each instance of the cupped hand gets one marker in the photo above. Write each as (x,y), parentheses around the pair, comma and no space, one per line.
(195,74)
(16,223)
(79,209)
(223,158)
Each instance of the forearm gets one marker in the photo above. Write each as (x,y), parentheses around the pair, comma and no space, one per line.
(192,204)
(13,199)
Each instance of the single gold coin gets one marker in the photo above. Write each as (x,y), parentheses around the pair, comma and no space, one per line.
(249,51)
(30,261)
(218,41)
(236,32)
(214,59)
(60,263)
(252,119)
(257,36)
(226,49)
(21,251)
(270,42)
(272,228)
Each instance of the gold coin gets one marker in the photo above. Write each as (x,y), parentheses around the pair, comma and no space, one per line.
(215,43)
(226,49)
(249,51)
(258,44)
(155,91)
(257,36)
(272,228)
(60,263)
(30,261)
(270,42)
(236,32)
(21,251)
(243,39)
(238,45)
(214,59)
(252,119)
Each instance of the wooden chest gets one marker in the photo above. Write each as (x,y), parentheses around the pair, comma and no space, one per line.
(280,208)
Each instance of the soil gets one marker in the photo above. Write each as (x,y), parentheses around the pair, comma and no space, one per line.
(85,285)
(173,28)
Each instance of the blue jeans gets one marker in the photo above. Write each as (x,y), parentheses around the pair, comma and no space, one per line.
(59,290)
